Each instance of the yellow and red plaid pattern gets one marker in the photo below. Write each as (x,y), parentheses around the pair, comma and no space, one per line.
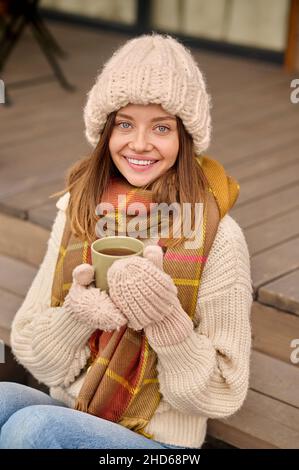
(122,384)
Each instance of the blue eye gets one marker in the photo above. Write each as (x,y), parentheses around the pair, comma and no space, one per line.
(124,122)
(163,127)
(126,125)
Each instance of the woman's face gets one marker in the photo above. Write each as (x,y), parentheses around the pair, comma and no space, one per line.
(144,142)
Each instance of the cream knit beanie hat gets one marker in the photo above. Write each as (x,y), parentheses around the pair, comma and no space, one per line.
(151,68)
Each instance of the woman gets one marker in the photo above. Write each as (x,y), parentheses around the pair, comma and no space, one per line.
(146,365)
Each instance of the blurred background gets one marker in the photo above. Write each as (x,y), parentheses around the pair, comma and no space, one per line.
(248,50)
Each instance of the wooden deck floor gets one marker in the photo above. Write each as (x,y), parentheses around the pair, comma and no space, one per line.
(255,136)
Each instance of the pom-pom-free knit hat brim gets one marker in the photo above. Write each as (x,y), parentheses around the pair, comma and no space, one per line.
(151,68)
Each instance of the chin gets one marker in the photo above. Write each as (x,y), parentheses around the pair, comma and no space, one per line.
(137,180)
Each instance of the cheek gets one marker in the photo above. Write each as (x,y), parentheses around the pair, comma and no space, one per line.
(118,140)
(115,143)
(170,151)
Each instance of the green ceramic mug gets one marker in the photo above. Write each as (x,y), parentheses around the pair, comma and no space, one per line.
(106,250)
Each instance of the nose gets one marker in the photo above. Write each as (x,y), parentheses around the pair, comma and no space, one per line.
(140,143)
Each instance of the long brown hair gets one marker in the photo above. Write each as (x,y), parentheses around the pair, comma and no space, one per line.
(88,178)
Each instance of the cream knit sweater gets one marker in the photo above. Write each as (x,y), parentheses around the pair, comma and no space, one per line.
(205,376)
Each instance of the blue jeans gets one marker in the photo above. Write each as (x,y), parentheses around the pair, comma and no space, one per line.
(31,419)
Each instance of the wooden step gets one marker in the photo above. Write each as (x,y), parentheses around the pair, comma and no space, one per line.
(20,202)
(15,275)
(10,304)
(273,331)
(22,240)
(269,418)
(261,423)
(274,204)
(272,232)
(15,280)
(282,293)
(274,378)
(276,262)
(257,166)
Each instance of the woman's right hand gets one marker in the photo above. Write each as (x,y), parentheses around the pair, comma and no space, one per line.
(90,305)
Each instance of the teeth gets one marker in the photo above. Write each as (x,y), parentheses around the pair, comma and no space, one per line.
(140,162)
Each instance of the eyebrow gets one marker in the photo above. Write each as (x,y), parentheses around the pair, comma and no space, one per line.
(160,118)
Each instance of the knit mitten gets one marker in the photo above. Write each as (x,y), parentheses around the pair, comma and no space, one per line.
(90,305)
(147,297)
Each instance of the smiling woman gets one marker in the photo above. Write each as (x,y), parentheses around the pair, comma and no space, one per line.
(145,364)
(140,149)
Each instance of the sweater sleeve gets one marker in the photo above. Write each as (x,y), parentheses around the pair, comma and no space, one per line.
(47,340)
(208,372)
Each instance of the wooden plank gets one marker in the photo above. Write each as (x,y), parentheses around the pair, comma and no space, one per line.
(263,88)
(40,115)
(272,232)
(22,240)
(36,127)
(282,293)
(43,215)
(264,163)
(262,185)
(265,136)
(246,75)
(21,202)
(275,204)
(16,276)
(274,378)
(15,280)
(231,115)
(10,303)
(263,422)
(235,436)
(273,331)
(5,335)
(275,262)
(257,99)
(44,163)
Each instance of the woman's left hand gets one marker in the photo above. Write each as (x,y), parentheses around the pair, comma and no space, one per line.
(146,295)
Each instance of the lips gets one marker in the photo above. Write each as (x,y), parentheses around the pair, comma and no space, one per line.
(140,157)
(140,168)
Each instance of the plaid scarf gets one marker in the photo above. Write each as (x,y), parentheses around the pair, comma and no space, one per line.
(121,384)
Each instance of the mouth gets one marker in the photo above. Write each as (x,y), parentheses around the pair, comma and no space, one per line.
(140,165)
